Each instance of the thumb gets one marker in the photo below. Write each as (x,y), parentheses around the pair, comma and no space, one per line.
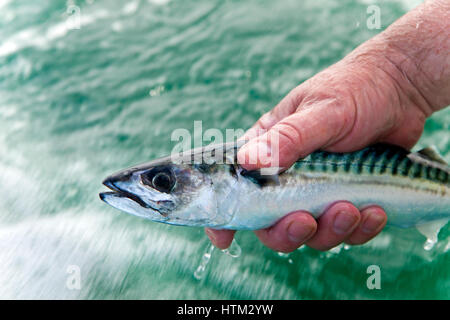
(296,136)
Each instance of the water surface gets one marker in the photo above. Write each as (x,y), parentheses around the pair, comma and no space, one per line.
(78,104)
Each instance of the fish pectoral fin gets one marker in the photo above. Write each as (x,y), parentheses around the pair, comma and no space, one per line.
(431,153)
(431,231)
(261,177)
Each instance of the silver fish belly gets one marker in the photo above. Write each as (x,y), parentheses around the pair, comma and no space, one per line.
(413,188)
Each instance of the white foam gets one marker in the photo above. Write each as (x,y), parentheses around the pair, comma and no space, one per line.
(159,2)
(41,37)
(3,3)
(131,7)
(35,254)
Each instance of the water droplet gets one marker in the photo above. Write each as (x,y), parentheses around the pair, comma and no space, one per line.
(283,255)
(157,91)
(290,261)
(429,244)
(336,250)
(447,247)
(200,272)
(234,250)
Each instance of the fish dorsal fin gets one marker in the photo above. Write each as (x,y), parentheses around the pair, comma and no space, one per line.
(430,156)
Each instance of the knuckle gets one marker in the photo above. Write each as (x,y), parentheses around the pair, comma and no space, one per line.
(290,132)
(266,121)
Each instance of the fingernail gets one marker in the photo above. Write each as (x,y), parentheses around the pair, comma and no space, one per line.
(255,153)
(344,222)
(299,232)
(373,221)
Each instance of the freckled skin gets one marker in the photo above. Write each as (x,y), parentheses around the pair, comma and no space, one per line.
(383,91)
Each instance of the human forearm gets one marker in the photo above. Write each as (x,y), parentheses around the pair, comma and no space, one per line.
(415,52)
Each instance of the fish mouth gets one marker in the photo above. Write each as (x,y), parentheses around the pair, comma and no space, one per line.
(120,193)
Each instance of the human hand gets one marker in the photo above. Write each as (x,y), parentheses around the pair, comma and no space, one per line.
(370,96)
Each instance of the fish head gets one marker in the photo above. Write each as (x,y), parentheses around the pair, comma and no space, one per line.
(166,191)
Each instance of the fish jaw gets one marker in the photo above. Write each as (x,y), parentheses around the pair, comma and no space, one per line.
(123,196)
(122,202)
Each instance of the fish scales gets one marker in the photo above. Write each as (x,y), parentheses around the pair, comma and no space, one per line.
(375,160)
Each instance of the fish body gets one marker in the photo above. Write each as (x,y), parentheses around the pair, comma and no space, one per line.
(206,187)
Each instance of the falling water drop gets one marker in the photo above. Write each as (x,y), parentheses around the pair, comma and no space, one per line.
(286,256)
(200,272)
(335,250)
(283,255)
(429,244)
(447,247)
(234,250)
(431,231)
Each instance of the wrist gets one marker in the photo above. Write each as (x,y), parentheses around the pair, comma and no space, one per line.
(414,54)
(405,73)
(389,67)
(418,45)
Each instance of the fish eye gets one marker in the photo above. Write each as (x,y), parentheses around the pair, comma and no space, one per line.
(160,179)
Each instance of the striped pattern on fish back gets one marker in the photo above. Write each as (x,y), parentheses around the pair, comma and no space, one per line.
(377,159)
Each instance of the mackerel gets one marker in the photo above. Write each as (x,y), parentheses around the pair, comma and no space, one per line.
(413,188)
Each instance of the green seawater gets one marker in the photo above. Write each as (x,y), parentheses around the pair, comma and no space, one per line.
(79,104)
